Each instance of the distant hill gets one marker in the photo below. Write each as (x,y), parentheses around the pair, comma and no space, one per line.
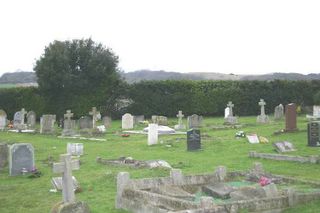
(28,78)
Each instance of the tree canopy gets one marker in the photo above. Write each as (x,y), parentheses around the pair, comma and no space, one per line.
(77,74)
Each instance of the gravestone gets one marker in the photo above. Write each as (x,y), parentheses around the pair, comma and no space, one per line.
(127,121)
(316,111)
(314,133)
(278,112)
(47,124)
(31,120)
(153,134)
(193,140)
(284,146)
(230,120)
(226,112)
(162,130)
(3,119)
(68,124)
(95,117)
(21,158)
(194,121)
(262,118)
(291,118)
(160,120)
(3,155)
(180,125)
(107,121)
(85,123)
(18,120)
(138,118)
(57,183)
(75,149)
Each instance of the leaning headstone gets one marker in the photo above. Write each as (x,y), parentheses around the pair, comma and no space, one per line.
(160,120)
(180,124)
(47,124)
(194,121)
(107,121)
(262,118)
(291,118)
(284,146)
(278,112)
(31,119)
(314,133)
(138,118)
(21,158)
(3,155)
(69,124)
(230,120)
(193,140)
(127,121)
(3,119)
(153,134)
(75,149)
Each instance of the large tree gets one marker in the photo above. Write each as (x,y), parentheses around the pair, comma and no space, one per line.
(77,74)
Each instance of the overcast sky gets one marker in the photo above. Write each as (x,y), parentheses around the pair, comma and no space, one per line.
(241,36)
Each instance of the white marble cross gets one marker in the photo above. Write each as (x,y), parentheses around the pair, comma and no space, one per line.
(94,114)
(180,116)
(65,167)
(23,112)
(230,105)
(68,115)
(262,103)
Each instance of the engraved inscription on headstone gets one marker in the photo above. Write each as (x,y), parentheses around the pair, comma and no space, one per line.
(314,133)
(193,140)
(21,158)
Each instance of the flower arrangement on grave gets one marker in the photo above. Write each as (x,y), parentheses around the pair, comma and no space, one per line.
(34,173)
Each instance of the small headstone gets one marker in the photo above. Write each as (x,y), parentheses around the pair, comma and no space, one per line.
(194,121)
(153,134)
(278,112)
(85,123)
(160,120)
(68,124)
(31,120)
(262,118)
(21,158)
(107,121)
(230,120)
(57,183)
(75,149)
(291,118)
(47,124)
(193,140)
(220,173)
(138,118)
(3,119)
(127,121)
(180,124)
(284,146)
(3,155)
(314,133)
(253,138)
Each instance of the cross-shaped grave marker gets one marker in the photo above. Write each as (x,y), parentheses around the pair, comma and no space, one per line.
(94,114)
(68,115)
(262,103)
(65,167)
(23,112)
(230,105)
(180,116)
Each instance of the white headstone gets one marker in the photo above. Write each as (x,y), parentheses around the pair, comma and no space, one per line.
(75,149)
(3,119)
(262,118)
(226,112)
(180,124)
(316,111)
(127,121)
(153,134)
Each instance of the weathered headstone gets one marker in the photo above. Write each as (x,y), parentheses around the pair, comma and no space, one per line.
(262,118)
(107,121)
(31,119)
(57,183)
(194,121)
(69,124)
(18,120)
(160,120)
(153,134)
(3,155)
(278,112)
(291,118)
(314,133)
(95,117)
(180,125)
(193,140)
(3,119)
(85,123)
(47,124)
(138,118)
(284,146)
(231,120)
(75,149)
(21,158)
(127,121)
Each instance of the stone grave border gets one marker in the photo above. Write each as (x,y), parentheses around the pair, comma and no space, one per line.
(314,159)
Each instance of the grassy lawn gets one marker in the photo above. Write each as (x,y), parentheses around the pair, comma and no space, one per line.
(7,85)
(98,182)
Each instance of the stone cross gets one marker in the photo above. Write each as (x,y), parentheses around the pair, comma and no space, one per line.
(65,167)
(230,105)
(94,114)
(23,112)
(262,103)
(180,116)
(68,115)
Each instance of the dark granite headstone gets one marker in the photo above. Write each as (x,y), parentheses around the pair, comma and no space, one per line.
(314,133)
(291,118)
(21,158)
(193,140)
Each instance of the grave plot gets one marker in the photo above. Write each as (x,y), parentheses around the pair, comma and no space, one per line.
(218,192)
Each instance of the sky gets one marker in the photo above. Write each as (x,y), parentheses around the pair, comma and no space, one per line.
(240,37)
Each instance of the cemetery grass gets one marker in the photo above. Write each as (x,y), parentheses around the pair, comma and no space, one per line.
(98,182)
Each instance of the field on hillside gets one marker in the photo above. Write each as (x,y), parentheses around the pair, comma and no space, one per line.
(98,182)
